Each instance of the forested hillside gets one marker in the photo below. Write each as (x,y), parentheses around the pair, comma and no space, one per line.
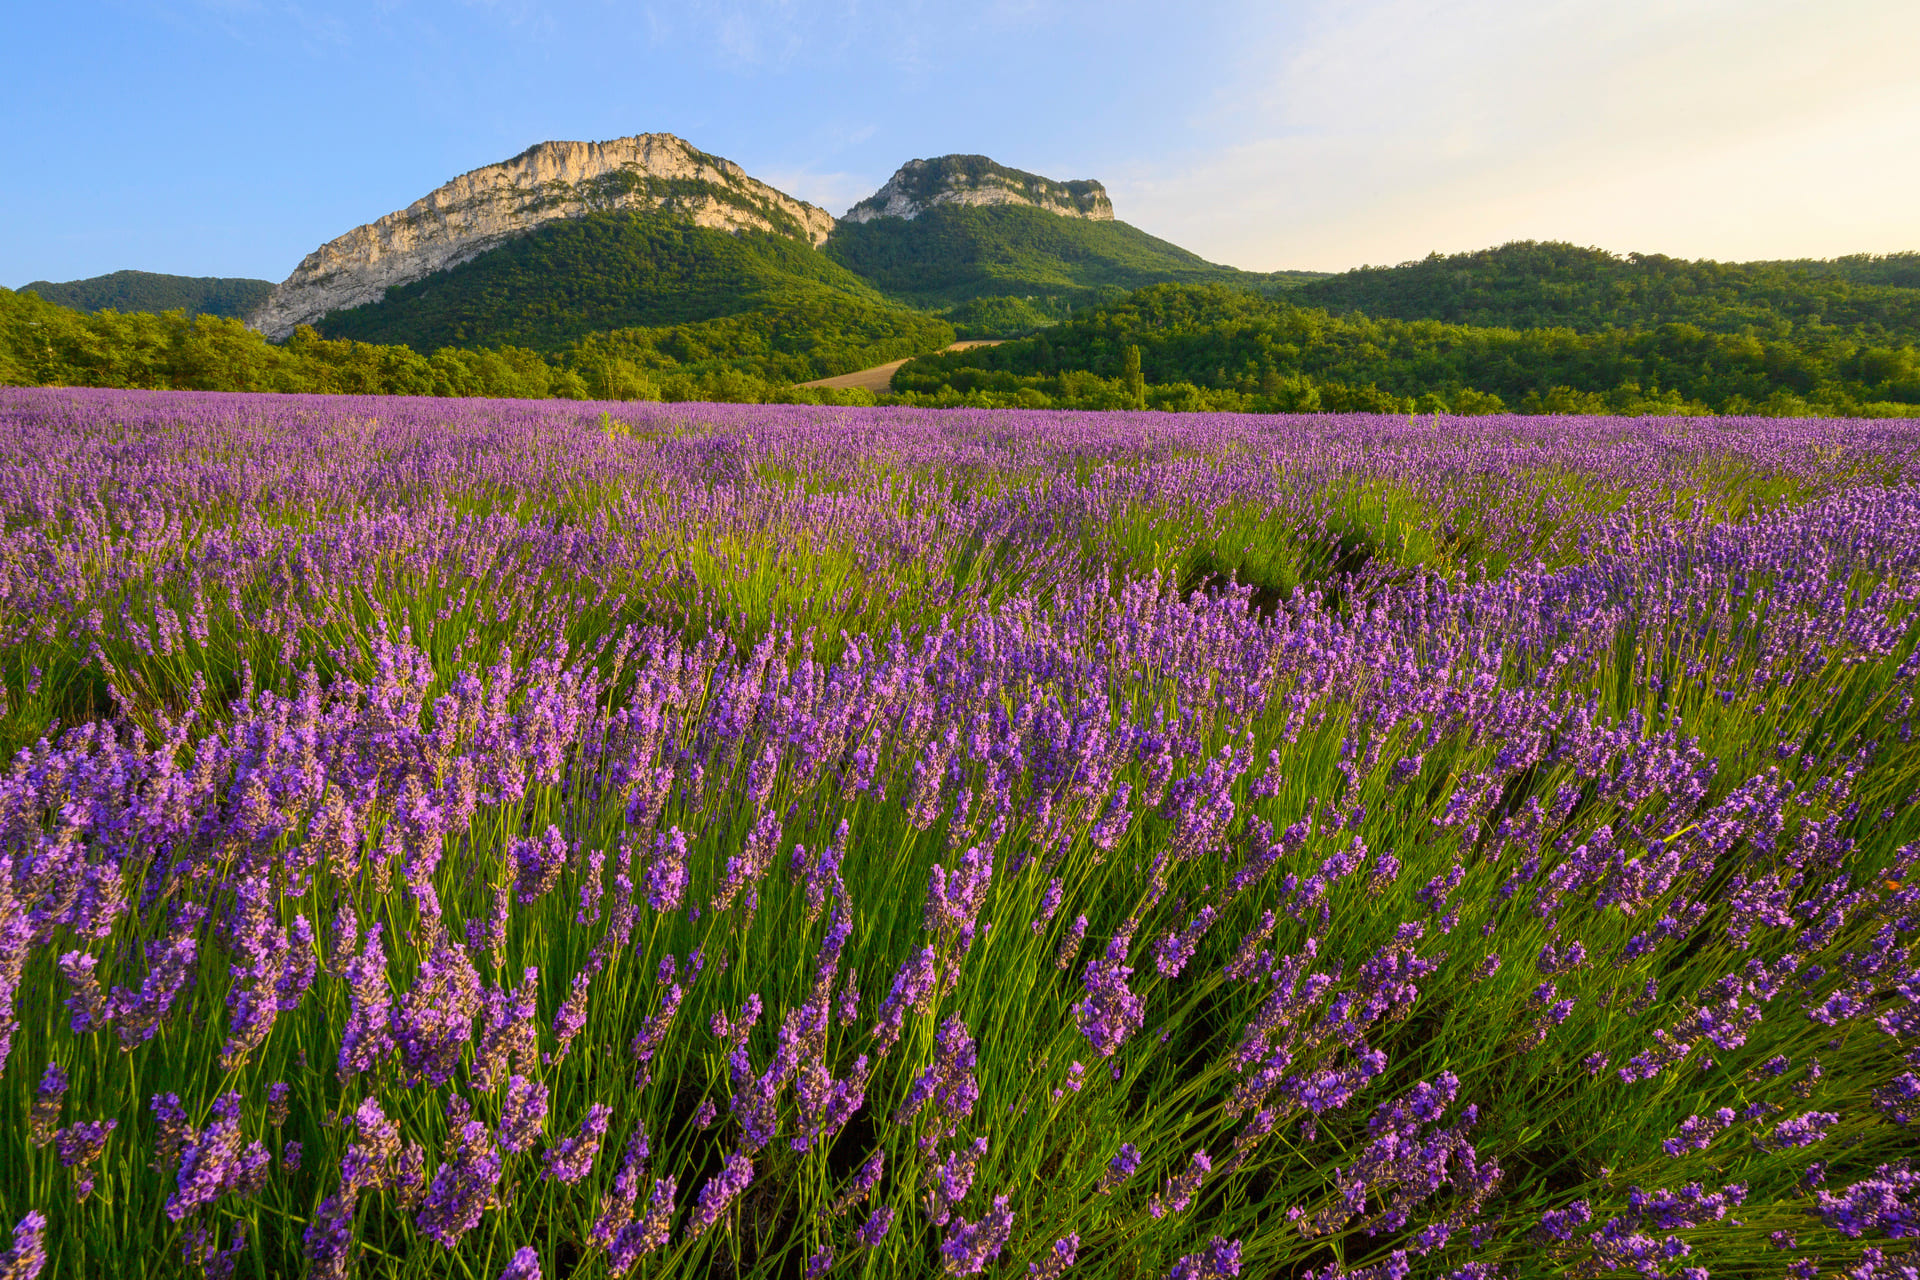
(236,297)
(1213,347)
(577,276)
(754,357)
(1528,285)
(1002,270)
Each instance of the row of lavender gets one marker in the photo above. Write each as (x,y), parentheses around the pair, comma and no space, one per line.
(497,837)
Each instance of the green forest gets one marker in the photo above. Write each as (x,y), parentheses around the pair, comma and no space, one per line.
(748,358)
(1210,347)
(1003,270)
(1532,285)
(236,296)
(640,307)
(576,276)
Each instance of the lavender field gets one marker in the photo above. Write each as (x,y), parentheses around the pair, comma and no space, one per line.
(509,839)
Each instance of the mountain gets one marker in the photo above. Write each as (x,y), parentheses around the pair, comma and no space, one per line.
(574,276)
(975,181)
(149,291)
(498,203)
(1529,284)
(1003,251)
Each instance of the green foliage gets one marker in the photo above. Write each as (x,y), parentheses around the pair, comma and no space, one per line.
(45,345)
(577,276)
(817,338)
(1216,348)
(1530,285)
(235,297)
(749,358)
(1034,266)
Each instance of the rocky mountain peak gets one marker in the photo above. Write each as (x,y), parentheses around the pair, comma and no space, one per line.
(918,185)
(479,210)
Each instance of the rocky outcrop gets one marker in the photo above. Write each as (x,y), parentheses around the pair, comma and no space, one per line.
(482,209)
(919,185)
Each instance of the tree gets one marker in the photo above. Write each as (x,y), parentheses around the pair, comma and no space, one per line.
(1130,374)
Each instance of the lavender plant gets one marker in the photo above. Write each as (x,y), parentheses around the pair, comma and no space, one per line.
(464,838)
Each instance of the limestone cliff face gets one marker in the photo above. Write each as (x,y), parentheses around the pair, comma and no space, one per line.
(479,210)
(918,185)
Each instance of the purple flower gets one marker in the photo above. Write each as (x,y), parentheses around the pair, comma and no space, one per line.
(1120,1168)
(1049,903)
(523,1115)
(524,1266)
(875,1228)
(86,1003)
(571,1016)
(643,1236)
(861,1185)
(1696,1132)
(970,1246)
(329,1238)
(539,863)
(1888,1202)
(45,1116)
(1182,1187)
(465,1186)
(217,1163)
(667,871)
(1172,952)
(78,1146)
(720,1191)
(913,987)
(174,1133)
(1070,944)
(28,1254)
(952,1179)
(1803,1130)
(366,1038)
(946,1085)
(616,1207)
(1055,1262)
(434,1020)
(819,1264)
(1109,1013)
(573,1159)
(1899,1098)
(1558,1224)
(1219,1261)
(375,1142)
(138,1015)
(954,898)
(508,1038)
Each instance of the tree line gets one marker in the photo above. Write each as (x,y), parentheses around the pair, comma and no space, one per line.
(756,357)
(1215,348)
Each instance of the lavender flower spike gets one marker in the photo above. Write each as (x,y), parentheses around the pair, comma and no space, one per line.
(524,1266)
(720,1191)
(29,1252)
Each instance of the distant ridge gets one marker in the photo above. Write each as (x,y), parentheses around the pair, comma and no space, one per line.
(919,185)
(230,296)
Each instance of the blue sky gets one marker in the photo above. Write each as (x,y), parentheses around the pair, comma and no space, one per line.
(230,137)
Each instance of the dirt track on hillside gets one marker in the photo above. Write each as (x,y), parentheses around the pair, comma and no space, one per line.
(880,377)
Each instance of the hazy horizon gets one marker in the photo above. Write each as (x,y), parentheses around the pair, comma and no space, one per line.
(232,137)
